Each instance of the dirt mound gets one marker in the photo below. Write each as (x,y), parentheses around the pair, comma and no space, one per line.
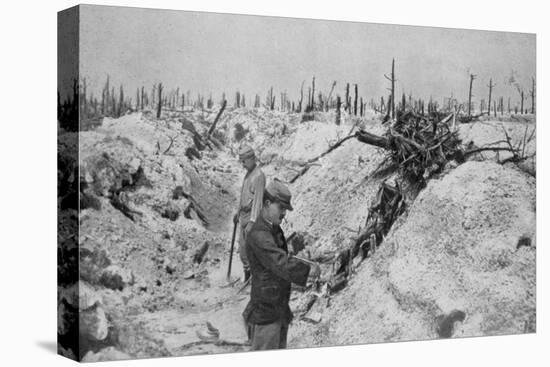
(462,263)
(154,209)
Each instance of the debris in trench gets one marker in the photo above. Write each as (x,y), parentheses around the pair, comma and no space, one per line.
(138,179)
(118,204)
(313,317)
(198,257)
(239,132)
(192,208)
(192,153)
(467,119)
(337,283)
(188,274)
(212,330)
(389,204)
(178,193)
(171,213)
(446,323)
(213,127)
(523,241)
(419,145)
(89,201)
(342,262)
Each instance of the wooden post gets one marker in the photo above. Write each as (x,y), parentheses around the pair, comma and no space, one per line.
(532,94)
(472,77)
(521,102)
(301,97)
(388,109)
(338,105)
(211,130)
(329,98)
(491,86)
(392,89)
(355,102)
(313,94)
(159,105)
(347,98)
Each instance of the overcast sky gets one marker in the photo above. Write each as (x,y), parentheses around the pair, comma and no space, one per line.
(207,52)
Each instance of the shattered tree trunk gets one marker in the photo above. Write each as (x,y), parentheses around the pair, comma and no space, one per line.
(313,94)
(301,97)
(532,93)
(211,130)
(491,86)
(347,98)
(521,102)
(159,106)
(338,105)
(392,88)
(355,102)
(327,105)
(371,139)
(472,77)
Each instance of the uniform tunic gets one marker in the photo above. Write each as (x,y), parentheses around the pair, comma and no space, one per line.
(272,274)
(252,193)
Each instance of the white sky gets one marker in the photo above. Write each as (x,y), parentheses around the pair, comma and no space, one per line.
(208,52)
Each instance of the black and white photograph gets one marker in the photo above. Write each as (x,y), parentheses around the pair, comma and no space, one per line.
(235,183)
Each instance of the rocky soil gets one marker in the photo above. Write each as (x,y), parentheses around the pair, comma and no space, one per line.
(155,229)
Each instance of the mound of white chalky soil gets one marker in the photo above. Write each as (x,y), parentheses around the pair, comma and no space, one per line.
(157,201)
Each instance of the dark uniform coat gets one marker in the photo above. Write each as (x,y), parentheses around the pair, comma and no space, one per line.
(272,274)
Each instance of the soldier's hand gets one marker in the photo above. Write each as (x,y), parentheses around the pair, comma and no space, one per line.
(236,218)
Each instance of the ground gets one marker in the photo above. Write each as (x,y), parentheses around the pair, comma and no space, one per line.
(459,262)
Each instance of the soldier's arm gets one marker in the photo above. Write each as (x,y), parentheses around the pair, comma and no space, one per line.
(276,259)
(259,186)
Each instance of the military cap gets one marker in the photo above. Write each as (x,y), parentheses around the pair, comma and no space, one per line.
(246,151)
(278,191)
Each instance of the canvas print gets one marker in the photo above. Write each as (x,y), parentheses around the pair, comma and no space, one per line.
(234,183)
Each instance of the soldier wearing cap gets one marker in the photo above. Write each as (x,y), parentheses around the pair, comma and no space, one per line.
(250,203)
(273,270)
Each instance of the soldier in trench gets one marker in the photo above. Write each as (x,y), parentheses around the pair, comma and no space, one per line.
(268,314)
(250,203)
